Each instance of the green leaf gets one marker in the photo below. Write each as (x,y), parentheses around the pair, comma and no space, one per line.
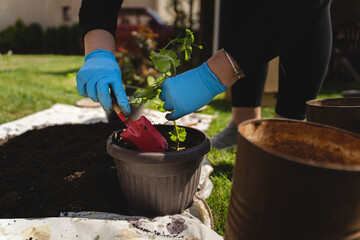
(173,137)
(136,101)
(173,134)
(165,60)
(189,36)
(182,134)
(151,80)
(187,44)
(143,95)
(160,107)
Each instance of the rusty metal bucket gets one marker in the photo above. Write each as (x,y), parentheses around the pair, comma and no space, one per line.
(295,180)
(338,112)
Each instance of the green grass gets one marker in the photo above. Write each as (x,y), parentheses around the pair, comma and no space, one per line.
(334,89)
(30,83)
(223,161)
(219,201)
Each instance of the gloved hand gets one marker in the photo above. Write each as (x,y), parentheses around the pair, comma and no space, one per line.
(189,91)
(100,72)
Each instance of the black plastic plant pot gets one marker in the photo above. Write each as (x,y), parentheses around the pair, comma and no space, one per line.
(337,112)
(136,112)
(295,180)
(157,184)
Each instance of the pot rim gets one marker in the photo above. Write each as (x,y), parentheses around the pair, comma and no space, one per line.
(162,157)
(292,158)
(313,102)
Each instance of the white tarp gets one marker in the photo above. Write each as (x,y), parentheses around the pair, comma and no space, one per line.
(183,226)
(67,114)
(194,223)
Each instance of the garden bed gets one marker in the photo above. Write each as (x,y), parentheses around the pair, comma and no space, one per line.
(59,169)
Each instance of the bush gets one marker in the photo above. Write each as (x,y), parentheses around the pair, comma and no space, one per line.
(22,38)
(13,37)
(19,36)
(75,39)
(50,39)
(7,39)
(62,38)
(34,38)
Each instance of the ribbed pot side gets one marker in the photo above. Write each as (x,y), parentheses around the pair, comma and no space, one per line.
(337,112)
(295,180)
(157,184)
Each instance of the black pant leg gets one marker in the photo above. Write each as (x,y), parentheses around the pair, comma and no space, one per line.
(303,68)
(248,91)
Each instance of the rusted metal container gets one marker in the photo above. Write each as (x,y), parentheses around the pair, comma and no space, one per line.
(295,180)
(338,112)
(160,183)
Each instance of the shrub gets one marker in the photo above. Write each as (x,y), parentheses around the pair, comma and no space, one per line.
(19,36)
(50,39)
(13,37)
(34,38)
(7,39)
(75,39)
(62,39)
(22,38)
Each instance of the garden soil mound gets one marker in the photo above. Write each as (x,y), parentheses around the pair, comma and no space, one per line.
(59,169)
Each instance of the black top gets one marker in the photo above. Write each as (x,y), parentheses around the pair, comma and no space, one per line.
(265,28)
(99,14)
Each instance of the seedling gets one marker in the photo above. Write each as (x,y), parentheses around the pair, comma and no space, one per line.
(166,62)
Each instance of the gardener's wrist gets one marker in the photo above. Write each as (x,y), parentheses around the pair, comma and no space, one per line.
(101,53)
(220,65)
(99,39)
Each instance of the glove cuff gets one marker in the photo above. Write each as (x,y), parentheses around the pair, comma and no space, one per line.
(102,53)
(212,81)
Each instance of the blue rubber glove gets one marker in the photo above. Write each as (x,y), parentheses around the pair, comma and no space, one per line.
(189,91)
(100,72)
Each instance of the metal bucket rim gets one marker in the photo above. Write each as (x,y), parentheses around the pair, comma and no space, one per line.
(299,160)
(313,102)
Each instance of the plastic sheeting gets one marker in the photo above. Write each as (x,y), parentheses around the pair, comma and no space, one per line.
(68,114)
(194,223)
(183,226)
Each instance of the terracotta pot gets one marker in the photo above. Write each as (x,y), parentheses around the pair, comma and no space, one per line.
(295,180)
(338,112)
(156,184)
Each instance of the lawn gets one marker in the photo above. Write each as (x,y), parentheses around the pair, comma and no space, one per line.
(30,83)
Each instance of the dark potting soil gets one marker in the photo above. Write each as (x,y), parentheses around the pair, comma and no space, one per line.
(59,169)
(193,138)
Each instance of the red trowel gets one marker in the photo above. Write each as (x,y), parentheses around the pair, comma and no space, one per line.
(140,134)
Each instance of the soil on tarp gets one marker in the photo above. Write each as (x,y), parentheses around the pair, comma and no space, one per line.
(62,168)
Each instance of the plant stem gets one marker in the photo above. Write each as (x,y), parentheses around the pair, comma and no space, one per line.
(173,64)
(177,137)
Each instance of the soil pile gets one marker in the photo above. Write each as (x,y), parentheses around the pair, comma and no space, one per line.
(59,169)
